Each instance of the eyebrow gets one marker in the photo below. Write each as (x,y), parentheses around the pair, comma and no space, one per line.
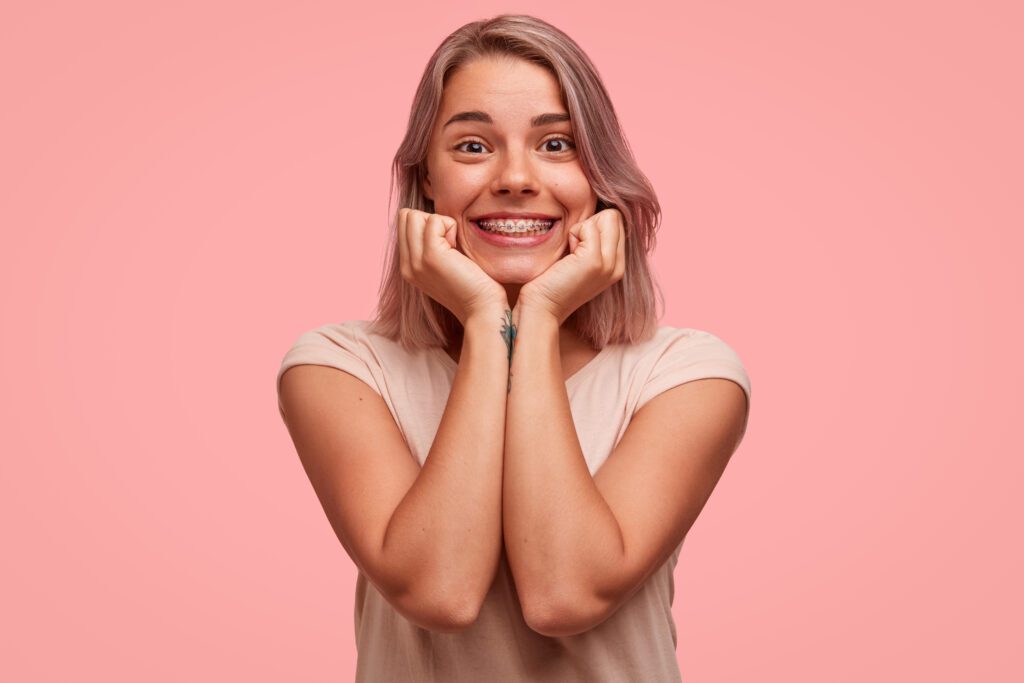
(484,117)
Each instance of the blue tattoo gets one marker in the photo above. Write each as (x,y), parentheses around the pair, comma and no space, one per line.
(508,333)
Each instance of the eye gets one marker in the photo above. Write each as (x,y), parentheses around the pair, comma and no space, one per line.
(458,147)
(562,139)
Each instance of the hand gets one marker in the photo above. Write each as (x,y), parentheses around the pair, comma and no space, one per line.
(597,260)
(430,261)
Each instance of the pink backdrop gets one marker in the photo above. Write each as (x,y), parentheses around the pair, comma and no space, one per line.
(186,188)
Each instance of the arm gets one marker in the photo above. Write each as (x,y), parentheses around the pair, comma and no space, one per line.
(580,546)
(445,535)
(427,538)
(556,524)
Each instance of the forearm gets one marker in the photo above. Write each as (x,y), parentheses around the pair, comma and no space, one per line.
(556,523)
(447,529)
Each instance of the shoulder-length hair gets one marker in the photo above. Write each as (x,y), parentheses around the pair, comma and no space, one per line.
(625,312)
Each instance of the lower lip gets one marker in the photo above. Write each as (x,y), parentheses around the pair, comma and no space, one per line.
(509,241)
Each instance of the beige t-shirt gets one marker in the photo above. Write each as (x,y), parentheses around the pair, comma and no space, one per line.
(638,641)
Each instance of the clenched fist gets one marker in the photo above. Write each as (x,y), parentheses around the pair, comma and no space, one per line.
(596,261)
(430,261)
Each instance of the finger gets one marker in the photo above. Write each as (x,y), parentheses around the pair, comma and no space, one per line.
(446,228)
(590,237)
(575,236)
(434,234)
(573,240)
(451,234)
(608,227)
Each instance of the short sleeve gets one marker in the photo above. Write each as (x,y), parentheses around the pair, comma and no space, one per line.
(690,355)
(337,346)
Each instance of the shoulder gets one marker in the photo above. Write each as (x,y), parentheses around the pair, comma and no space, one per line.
(354,347)
(332,340)
(340,334)
(694,343)
(348,346)
(674,344)
(676,355)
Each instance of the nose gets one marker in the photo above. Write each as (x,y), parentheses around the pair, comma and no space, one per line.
(515,175)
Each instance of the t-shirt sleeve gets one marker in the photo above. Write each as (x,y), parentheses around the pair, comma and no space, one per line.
(335,346)
(690,355)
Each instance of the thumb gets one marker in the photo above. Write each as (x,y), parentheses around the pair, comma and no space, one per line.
(573,239)
(450,231)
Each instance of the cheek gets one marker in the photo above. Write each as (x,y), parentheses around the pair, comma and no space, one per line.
(575,193)
(458,183)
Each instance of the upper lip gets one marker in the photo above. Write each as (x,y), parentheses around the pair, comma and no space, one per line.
(505,214)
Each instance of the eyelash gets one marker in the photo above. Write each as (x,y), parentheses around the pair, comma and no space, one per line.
(560,137)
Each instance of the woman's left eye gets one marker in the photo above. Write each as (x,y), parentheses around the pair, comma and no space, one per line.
(562,140)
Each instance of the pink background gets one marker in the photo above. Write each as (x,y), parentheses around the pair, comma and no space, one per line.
(188,187)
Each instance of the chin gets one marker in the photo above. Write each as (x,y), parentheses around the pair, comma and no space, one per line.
(514,278)
(515,269)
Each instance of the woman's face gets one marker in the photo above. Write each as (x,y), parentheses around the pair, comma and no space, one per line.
(506,165)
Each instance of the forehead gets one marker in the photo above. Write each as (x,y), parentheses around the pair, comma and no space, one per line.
(499,86)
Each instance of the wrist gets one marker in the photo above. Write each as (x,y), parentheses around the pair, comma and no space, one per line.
(489,316)
(534,314)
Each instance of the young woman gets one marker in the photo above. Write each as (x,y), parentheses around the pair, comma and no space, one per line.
(513,450)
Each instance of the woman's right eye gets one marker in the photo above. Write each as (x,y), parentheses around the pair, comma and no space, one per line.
(468,142)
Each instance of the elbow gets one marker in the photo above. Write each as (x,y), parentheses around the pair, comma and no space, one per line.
(559,619)
(461,617)
(431,611)
(460,600)
(459,607)
(457,610)
(443,601)
(454,617)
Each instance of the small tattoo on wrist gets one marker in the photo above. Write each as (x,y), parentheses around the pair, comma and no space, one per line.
(508,333)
